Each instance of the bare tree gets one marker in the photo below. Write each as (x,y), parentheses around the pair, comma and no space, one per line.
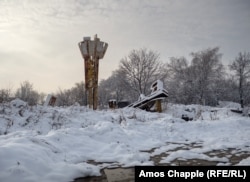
(114,87)
(5,94)
(195,82)
(141,67)
(241,67)
(63,97)
(207,69)
(27,93)
(178,80)
(228,89)
(104,93)
(69,97)
(78,93)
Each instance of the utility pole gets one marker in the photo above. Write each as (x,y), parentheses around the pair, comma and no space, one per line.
(92,51)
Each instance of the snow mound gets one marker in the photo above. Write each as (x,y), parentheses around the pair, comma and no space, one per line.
(18,103)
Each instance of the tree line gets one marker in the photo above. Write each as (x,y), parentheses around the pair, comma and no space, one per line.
(26,92)
(201,80)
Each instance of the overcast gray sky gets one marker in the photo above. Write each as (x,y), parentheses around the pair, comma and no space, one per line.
(39,37)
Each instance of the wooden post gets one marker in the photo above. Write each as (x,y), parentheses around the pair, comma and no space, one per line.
(158,105)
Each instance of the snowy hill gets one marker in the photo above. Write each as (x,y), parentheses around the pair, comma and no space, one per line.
(58,144)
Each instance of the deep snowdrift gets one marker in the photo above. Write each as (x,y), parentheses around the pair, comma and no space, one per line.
(57,144)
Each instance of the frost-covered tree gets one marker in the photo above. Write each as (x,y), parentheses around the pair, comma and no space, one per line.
(228,89)
(208,69)
(178,80)
(140,69)
(196,82)
(241,68)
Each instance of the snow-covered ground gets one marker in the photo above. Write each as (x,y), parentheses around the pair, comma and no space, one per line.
(57,144)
